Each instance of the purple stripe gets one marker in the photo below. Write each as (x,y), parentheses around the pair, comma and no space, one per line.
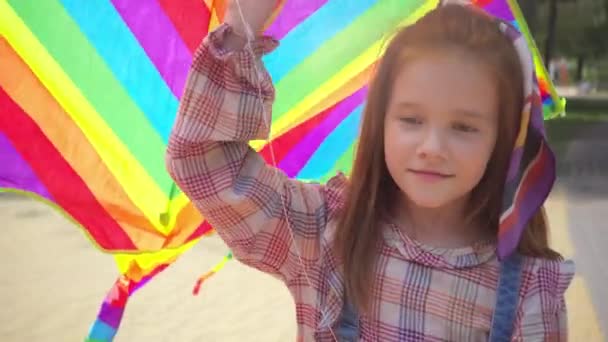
(143,282)
(501,9)
(111,315)
(536,113)
(159,38)
(16,173)
(295,160)
(515,162)
(294,12)
(529,203)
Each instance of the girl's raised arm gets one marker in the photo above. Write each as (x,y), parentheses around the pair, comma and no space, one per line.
(271,222)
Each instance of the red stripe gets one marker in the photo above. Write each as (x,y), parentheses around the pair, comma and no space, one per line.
(287,141)
(67,188)
(536,171)
(203,229)
(190,18)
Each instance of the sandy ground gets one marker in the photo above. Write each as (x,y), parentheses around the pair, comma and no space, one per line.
(53,281)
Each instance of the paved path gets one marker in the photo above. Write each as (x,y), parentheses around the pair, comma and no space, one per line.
(578,214)
(579,226)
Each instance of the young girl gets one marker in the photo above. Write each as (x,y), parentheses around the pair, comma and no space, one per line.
(438,234)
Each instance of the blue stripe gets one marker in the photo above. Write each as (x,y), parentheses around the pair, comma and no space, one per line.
(111,37)
(101,331)
(312,33)
(333,147)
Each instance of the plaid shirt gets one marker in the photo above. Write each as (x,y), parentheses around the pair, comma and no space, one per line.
(286,227)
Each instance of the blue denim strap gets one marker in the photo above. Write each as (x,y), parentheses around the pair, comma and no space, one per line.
(348,324)
(507,298)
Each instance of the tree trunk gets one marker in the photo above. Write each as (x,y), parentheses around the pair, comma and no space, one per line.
(530,11)
(552,20)
(580,64)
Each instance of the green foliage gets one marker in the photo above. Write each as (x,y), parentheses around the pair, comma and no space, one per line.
(581,26)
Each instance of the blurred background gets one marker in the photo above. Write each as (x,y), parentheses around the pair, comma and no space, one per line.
(572,36)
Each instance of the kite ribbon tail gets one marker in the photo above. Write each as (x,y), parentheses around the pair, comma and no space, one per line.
(112,309)
(214,270)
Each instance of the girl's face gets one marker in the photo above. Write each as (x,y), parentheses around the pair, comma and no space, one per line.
(440,128)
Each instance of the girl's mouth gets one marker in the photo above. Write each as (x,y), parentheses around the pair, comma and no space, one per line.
(429,175)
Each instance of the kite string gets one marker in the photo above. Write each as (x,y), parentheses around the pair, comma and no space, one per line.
(250,37)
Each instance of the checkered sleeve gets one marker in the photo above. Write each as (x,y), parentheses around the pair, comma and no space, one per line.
(270,222)
(543,315)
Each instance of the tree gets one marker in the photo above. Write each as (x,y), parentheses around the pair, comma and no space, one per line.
(583,28)
(580,28)
(530,11)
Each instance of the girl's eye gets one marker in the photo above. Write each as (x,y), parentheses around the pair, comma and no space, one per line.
(465,128)
(410,120)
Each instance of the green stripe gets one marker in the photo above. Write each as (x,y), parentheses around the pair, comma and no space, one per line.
(559,104)
(62,38)
(340,50)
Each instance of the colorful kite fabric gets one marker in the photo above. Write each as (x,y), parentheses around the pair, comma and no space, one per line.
(90,89)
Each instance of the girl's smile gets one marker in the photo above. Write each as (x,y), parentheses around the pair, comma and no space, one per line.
(429,175)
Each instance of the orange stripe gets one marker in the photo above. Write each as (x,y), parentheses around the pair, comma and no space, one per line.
(23,86)
(188,220)
(525,119)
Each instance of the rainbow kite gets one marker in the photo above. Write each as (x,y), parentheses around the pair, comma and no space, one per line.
(90,89)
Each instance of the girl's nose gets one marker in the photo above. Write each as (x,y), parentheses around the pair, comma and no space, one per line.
(431,145)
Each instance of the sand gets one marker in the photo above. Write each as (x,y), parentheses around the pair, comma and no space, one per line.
(53,281)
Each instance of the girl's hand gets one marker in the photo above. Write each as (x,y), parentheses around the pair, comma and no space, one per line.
(255,13)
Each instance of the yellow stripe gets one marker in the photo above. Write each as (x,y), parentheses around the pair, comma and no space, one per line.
(557,214)
(218,267)
(214,21)
(523,127)
(146,262)
(178,203)
(138,185)
(583,320)
(302,112)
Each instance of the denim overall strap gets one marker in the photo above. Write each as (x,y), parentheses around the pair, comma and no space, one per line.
(348,323)
(507,298)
